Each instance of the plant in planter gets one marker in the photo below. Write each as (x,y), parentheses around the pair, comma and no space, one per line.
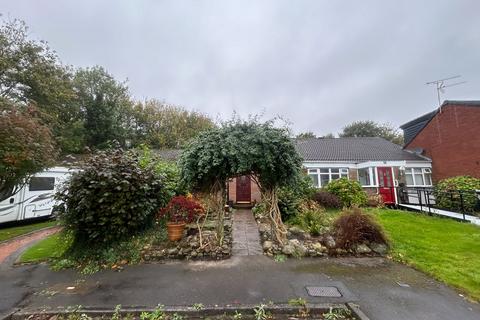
(178,212)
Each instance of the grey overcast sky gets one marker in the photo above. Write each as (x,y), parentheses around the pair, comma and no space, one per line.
(320,64)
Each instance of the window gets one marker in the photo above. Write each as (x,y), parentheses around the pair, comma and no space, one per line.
(322,176)
(367,177)
(41,183)
(418,177)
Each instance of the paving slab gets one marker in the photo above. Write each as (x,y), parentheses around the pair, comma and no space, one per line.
(246,238)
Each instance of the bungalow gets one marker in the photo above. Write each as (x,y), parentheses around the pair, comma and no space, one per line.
(379,165)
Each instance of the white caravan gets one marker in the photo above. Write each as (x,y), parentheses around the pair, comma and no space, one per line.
(34,199)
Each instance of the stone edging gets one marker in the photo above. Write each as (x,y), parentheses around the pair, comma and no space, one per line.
(189,311)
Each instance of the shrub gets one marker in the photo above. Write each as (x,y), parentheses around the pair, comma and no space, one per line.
(314,222)
(356,227)
(181,209)
(111,198)
(167,171)
(259,210)
(327,200)
(349,192)
(447,193)
(289,198)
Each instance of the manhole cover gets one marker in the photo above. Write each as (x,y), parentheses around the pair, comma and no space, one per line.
(323,292)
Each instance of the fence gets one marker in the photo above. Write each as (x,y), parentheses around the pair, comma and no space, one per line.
(427,198)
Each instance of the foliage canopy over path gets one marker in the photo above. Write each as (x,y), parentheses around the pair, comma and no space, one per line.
(239,148)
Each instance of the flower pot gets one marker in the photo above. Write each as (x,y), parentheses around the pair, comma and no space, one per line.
(175,230)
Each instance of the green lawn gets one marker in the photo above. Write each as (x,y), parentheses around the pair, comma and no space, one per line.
(443,248)
(51,247)
(8,233)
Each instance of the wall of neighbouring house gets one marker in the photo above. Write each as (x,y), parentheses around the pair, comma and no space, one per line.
(452,140)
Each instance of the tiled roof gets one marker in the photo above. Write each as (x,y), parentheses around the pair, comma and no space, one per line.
(353,149)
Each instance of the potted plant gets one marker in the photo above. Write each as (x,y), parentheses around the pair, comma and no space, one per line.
(178,212)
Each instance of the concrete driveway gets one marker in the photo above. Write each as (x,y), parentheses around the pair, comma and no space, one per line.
(383,289)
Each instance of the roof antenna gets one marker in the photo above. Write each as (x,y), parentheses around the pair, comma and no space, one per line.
(441,85)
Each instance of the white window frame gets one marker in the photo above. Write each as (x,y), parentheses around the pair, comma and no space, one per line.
(410,171)
(343,172)
(372,171)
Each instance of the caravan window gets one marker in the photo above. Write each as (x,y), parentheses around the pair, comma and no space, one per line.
(41,184)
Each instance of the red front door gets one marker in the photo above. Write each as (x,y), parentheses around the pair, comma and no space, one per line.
(386,186)
(244,192)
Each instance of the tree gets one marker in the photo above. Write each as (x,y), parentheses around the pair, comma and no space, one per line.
(306,135)
(238,148)
(31,73)
(161,125)
(372,129)
(105,105)
(26,146)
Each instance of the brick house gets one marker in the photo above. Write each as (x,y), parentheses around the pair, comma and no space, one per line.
(379,165)
(450,136)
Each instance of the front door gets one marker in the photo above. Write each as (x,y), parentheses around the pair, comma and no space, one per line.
(244,189)
(386,186)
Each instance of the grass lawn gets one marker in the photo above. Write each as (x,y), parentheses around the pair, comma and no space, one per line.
(11,232)
(51,247)
(443,248)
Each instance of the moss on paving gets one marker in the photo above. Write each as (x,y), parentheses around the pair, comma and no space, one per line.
(443,248)
(51,247)
(12,232)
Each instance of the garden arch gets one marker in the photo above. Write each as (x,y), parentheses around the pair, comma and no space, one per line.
(242,148)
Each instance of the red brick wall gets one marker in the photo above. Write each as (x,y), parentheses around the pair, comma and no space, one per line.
(452,140)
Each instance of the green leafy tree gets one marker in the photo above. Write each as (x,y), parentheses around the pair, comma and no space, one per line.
(26,146)
(306,135)
(161,125)
(105,105)
(31,73)
(238,148)
(372,129)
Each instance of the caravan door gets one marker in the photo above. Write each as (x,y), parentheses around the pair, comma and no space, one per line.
(38,197)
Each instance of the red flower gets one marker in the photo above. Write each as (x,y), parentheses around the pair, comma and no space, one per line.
(180,209)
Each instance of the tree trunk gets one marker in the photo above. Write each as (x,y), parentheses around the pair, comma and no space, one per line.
(279,231)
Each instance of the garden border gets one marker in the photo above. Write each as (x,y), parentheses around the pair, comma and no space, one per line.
(208,311)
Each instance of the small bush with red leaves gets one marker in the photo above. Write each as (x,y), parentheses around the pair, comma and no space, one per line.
(327,200)
(181,209)
(357,227)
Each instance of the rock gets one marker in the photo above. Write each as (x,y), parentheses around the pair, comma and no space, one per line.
(379,248)
(172,251)
(298,233)
(330,242)
(267,245)
(319,248)
(288,249)
(362,249)
(294,242)
(263,228)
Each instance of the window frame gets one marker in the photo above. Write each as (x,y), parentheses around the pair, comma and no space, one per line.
(343,172)
(40,186)
(372,172)
(425,171)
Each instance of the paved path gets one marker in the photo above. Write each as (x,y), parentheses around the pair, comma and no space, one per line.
(9,247)
(385,290)
(246,238)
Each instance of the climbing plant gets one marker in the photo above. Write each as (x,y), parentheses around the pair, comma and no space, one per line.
(237,148)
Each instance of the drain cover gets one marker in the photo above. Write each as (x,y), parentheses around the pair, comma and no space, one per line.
(323,292)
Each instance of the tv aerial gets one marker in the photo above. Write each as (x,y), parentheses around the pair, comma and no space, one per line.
(441,84)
